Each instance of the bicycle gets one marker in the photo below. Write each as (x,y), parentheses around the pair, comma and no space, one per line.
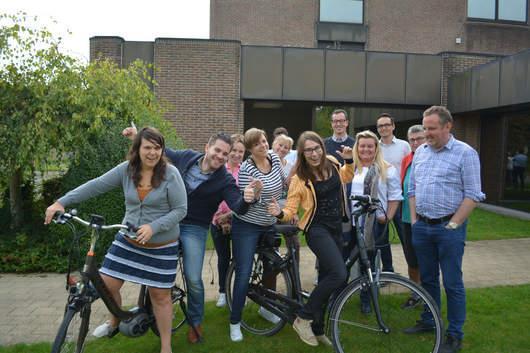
(89,286)
(348,326)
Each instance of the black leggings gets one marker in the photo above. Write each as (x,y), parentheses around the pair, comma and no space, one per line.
(326,243)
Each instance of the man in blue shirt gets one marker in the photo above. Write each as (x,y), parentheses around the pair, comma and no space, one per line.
(444,188)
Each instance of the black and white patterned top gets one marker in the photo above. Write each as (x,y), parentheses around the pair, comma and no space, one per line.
(273,184)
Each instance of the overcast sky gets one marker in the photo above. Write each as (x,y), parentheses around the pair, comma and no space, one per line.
(131,20)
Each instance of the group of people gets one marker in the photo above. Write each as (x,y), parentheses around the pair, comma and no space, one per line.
(427,189)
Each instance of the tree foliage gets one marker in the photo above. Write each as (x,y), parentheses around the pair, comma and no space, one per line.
(52,107)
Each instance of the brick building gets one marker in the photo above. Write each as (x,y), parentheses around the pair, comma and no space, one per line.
(273,62)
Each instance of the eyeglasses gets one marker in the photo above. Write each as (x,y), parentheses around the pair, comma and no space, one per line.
(384,125)
(417,139)
(309,151)
(338,121)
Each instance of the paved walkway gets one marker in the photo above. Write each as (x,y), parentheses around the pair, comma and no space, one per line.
(31,306)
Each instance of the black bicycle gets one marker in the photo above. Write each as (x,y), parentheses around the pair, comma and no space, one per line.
(379,330)
(88,286)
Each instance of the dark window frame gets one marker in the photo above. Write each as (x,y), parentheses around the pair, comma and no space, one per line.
(496,19)
(363,20)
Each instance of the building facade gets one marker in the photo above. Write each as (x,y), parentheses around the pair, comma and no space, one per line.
(272,63)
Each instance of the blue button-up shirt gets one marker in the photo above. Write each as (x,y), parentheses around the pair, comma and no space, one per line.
(441,179)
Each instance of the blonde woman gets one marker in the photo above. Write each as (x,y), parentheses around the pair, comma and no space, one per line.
(375,177)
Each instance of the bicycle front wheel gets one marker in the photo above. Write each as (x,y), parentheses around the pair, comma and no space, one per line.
(255,318)
(73,330)
(354,327)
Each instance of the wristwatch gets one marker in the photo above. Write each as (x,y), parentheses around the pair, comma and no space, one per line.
(452,225)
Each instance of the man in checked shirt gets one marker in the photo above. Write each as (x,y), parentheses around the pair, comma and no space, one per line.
(444,188)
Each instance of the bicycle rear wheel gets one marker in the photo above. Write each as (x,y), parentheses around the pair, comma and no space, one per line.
(73,330)
(254,318)
(352,330)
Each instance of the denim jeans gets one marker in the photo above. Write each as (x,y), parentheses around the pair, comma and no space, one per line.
(193,240)
(439,248)
(245,237)
(222,248)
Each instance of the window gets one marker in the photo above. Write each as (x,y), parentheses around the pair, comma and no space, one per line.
(345,11)
(498,10)
(329,44)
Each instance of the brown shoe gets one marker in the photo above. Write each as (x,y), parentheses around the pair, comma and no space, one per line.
(192,336)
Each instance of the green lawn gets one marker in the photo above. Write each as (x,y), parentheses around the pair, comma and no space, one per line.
(482,225)
(497,323)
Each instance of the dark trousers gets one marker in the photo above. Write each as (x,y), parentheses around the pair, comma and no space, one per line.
(326,243)
(222,248)
(382,241)
(518,177)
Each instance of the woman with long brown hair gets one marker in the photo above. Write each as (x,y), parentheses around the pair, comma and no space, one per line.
(318,187)
(155,201)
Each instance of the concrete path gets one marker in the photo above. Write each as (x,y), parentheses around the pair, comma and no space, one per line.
(31,306)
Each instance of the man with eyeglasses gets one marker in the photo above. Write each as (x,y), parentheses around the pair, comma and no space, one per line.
(416,137)
(394,150)
(340,138)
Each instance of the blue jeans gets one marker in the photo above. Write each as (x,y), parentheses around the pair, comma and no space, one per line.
(439,248)
(193,240)
(245,237)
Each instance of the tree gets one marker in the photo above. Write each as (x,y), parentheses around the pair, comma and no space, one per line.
(52,107)
(36,83)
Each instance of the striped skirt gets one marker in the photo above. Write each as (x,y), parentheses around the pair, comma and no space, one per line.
(154,267)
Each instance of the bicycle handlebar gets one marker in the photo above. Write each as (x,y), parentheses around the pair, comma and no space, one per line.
(62,218)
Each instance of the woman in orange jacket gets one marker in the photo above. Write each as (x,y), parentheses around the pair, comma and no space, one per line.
(318,188)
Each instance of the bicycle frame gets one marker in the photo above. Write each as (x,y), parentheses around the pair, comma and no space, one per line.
(283,306)
(90,274)
(360,252)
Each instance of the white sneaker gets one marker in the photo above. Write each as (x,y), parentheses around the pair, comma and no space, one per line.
(267,315)
(221,301)
(235,333)
(324,340)
(105,329)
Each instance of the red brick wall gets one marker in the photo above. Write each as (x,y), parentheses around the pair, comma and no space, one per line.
(466,128)
(453,63)
(106,47)
(265,22)
(198,84)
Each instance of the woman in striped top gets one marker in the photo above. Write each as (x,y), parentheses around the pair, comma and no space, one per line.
(266,169)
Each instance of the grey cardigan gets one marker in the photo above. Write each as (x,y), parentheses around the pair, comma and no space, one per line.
(162,208)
